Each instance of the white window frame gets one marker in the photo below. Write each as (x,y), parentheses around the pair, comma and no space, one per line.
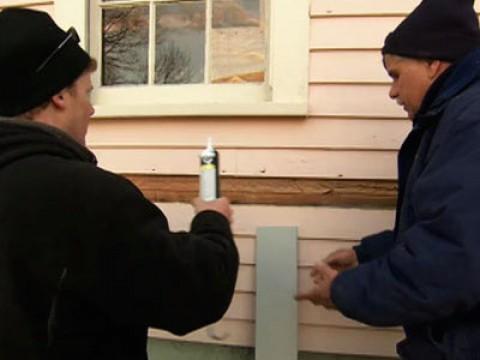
(284,92)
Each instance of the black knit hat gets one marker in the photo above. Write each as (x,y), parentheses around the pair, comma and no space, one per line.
(37,59)
(438,30)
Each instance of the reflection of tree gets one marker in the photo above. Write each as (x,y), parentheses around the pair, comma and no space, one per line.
(125,39)
(173,65)
(121,42)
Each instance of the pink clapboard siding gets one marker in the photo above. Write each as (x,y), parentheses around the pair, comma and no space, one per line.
(46,6)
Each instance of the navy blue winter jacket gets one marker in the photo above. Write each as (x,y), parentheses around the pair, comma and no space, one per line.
(425,274)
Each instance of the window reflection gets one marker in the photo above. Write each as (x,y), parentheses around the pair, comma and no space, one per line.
(125,46)
(180,43)
(238,41)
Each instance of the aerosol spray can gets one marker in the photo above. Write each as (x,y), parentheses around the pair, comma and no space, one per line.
(209,179)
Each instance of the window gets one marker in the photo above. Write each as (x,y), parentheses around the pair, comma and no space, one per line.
(194,57)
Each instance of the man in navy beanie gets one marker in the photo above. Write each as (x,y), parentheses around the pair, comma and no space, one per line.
(425,273)
(87,263)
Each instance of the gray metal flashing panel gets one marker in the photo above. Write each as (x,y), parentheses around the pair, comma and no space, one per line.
(276,329)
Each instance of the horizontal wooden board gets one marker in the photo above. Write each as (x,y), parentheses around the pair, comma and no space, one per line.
(298,163)
(243,308)
(335,340)
(364,7)
(309,252)
(242,133)
(313,222)
(26,3)
(361,7)
(246,276)
(231,332)
(346,100)
(354,193)
(312,251)
(247,280)
(46,6)
(351,32)
(347,66)
(370,342)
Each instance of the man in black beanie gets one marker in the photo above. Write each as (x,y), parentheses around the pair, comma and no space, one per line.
(424,274)
(87,263)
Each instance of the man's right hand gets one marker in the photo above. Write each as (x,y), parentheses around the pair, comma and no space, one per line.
(221,205)
(342,259)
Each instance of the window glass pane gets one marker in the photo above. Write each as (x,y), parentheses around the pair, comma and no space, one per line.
(125,45)
(238,41)
(180,43)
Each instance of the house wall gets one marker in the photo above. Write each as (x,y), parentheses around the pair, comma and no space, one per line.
(352,133)
(331,173)
(46,5)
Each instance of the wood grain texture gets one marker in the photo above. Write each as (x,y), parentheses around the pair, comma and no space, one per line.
(345,193)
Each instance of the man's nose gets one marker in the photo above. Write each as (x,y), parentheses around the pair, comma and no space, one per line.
(393,93)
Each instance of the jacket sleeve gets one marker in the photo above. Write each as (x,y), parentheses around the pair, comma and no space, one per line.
(433,271)
(142,273)
(374,246)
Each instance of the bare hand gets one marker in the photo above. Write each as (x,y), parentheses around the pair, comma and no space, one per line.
(320,294)
(342,259)
(221,205)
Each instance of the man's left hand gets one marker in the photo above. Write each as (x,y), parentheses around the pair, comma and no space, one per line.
(322,276)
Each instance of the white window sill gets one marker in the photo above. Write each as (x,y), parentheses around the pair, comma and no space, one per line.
(204,109)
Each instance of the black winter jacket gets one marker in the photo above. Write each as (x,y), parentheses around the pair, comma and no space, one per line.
(87,263)
(425,274)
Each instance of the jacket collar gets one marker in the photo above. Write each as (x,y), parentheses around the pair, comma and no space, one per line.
(452,82)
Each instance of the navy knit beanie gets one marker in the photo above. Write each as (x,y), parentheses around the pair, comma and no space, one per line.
(437,30)
(37,60)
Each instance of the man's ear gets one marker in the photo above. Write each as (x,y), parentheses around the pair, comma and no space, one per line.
(58,100)
(436,68)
